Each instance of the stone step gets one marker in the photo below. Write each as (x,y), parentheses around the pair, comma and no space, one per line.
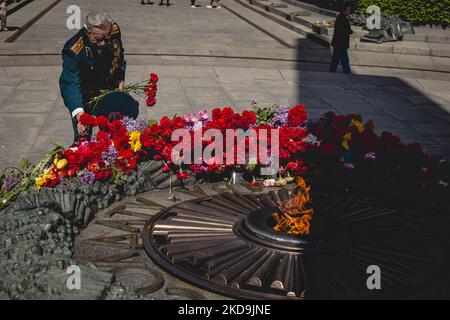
(305,17)
(282,13)
(426,38)
(325,14)
(285,21)
(312,8)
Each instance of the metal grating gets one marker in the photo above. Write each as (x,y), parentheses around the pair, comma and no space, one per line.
(207,242)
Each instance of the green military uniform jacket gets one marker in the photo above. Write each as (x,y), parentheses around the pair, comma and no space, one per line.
(85,72)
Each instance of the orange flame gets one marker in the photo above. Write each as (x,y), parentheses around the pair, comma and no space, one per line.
(295,215)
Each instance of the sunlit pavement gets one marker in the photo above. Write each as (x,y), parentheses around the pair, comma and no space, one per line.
(209,58)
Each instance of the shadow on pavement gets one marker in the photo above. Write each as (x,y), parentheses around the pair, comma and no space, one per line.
(403,106)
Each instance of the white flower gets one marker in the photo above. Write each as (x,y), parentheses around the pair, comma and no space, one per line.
(311,139)
(269,183)
(197,125)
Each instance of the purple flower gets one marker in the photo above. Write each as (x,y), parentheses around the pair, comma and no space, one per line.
(280,116)
(311,139)
(203,116)
(370,156)
(194,122)
(349,165)
(110,156)
(88,177)
(11,181)
(139,124)
(189,121)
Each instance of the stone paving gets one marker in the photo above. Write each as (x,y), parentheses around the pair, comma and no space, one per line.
(209,58)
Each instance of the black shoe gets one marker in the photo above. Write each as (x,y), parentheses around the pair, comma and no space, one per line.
(142,2)
(149,2)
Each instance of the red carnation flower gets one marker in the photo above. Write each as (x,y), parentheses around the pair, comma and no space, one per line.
(150,102)
(248,119)
(151,94)
(328,150)
(87,120)
(102,123)
(154,77)
(297,116)
(182,175)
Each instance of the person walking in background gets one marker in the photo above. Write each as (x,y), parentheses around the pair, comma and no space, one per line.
(211,5)
(3,15)
(148,2)
(341,39)
(162,3)
(193,4)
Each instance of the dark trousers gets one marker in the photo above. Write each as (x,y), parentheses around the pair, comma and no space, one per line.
(192,2)
(340,55)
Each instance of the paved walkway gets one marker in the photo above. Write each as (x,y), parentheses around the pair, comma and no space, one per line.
(207,58)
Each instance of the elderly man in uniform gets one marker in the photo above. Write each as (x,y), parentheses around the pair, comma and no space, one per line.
(93,60)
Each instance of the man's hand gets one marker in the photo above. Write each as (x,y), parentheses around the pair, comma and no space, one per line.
(121,85)
(80,128)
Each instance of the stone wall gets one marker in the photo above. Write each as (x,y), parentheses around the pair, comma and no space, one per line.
(37,235)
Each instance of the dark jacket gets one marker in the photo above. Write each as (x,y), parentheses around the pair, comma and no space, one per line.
(85,72)
(342,32)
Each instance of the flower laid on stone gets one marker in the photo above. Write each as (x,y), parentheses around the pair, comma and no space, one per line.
(197,121)
(269,183)
(320,148)
(280,115)
(139,124)
(369,156)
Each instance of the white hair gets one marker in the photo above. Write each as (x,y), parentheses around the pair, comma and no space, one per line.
(99,19)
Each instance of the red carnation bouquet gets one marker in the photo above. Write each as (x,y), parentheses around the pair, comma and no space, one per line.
(146,89)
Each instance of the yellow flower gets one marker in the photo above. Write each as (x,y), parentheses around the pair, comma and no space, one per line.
(443,183)
(280,182)
(358,125)
(48,175)
(135,141)
(61,164)
(39,182)
(345,139)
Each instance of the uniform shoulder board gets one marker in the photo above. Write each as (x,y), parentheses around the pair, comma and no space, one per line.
(115,29)
(78,46)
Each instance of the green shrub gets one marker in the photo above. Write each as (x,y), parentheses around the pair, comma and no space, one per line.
(436,12)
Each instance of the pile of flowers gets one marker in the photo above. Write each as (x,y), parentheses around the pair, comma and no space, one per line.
(291,144)
(342,150)
(349,153)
